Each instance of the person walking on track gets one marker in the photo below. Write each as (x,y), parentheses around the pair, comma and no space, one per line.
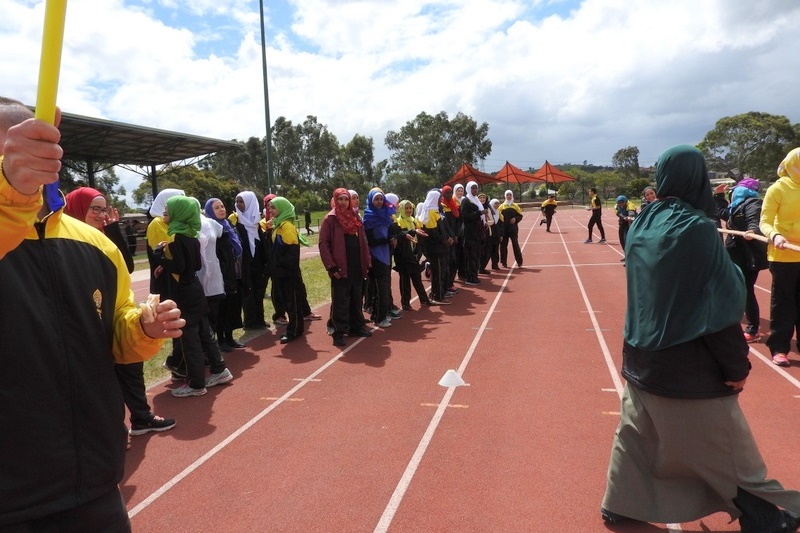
(683,448)
(596,219)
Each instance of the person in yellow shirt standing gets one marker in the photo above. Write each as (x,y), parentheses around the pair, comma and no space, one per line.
(779,223)
(597,212)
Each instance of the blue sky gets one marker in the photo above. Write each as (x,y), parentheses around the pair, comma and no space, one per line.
(566,81)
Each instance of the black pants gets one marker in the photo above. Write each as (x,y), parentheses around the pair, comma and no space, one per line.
(454,262)
(514,238)
(596,219)
(623,234)
(751,308)
(408,277)
(290,293)
(253,300)
(346,297)
(106,513)
(379,281)
(548,220)
(783,317)
(195,346)
(131,381)
(472,259)
(439,275)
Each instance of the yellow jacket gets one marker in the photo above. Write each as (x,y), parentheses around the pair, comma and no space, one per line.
(780,214)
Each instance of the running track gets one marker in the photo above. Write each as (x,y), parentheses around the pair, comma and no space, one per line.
(310,438)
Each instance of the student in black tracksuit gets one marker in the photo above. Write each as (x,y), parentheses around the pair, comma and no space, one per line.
(407,255)
(436,247)
(472,219)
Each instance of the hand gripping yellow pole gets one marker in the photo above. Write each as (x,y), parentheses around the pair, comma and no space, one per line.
(55,13)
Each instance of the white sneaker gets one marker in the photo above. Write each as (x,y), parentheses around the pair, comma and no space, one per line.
(184,391)
(218,379)
(385,323)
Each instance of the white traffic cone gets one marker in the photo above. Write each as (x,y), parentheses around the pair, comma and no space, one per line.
(451,379)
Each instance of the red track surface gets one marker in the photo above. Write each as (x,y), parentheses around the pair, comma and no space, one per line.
(308,438)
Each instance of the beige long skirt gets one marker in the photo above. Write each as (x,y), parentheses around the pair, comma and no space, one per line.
(680,460)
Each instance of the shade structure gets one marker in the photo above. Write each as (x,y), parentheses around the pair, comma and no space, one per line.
(511,174)
(550,174)
(469,173)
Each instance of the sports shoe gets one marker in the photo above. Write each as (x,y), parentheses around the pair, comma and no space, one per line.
(281,321)
(780,359)
(157,423)
(612,518)
(184,391)
(176,372)
(218,379)
(476,282)
(395,314)
(338,340)
(587,241)
(385,323)
(312,316)
(752,337)
(439,302)
(362,332)
(427,270)
(601,241)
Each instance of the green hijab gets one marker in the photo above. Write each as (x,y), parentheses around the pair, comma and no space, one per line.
(184,216)
(285,212)
(681,282)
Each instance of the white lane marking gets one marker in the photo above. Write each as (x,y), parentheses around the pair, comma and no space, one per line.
(612,369)
(405,480)
(233,436)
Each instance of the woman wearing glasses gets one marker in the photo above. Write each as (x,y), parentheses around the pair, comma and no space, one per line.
(90,206)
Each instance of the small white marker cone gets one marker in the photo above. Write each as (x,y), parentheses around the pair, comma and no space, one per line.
(451,379)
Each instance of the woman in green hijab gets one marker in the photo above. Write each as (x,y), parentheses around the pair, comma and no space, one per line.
(683,449)
(179,257)
(287,279)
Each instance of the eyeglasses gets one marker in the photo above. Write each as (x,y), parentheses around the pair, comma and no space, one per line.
(96,209)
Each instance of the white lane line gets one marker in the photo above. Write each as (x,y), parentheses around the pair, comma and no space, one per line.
(405,480)
(233,436)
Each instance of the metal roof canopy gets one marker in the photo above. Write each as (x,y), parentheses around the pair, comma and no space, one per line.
(111,143)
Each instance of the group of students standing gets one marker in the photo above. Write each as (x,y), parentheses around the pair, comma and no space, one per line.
(454,233)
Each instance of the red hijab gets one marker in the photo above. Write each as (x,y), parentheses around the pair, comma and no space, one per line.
(346,217)
(78,202)
(452,203)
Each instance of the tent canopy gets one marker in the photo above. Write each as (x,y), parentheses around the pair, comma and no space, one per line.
(469,173)
(511,174)
(550,174)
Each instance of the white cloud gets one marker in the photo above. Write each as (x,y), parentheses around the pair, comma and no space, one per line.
(569,87)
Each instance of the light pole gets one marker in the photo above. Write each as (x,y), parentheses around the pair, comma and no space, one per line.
(266,99)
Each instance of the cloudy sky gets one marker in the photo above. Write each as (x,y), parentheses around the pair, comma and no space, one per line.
(562,80)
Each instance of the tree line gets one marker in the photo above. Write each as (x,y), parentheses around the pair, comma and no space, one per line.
(309,162)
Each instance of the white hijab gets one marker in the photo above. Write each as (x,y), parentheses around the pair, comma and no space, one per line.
(494,203)
(455,192)
(160,201)
(474,199)
(249,218)
(431,204)
(507,201)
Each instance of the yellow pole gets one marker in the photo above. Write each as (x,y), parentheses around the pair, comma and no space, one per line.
(52,40)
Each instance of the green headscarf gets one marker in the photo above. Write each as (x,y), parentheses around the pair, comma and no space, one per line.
(184,216)
(681,282)
(285,212)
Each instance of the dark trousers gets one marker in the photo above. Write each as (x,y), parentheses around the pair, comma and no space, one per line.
(253,300)
(131,381)
(596,219)
(783,312)
(751,309)
(379,281)
(623,234)
(514,238)
(278,296)
(439,275)
(290,292)
(454,263)
(229,316)
(346,297)
(408,278)
(472,258)
(548,219)
(193,348)
(106,513)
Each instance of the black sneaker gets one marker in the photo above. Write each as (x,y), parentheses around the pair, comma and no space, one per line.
(156,423)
